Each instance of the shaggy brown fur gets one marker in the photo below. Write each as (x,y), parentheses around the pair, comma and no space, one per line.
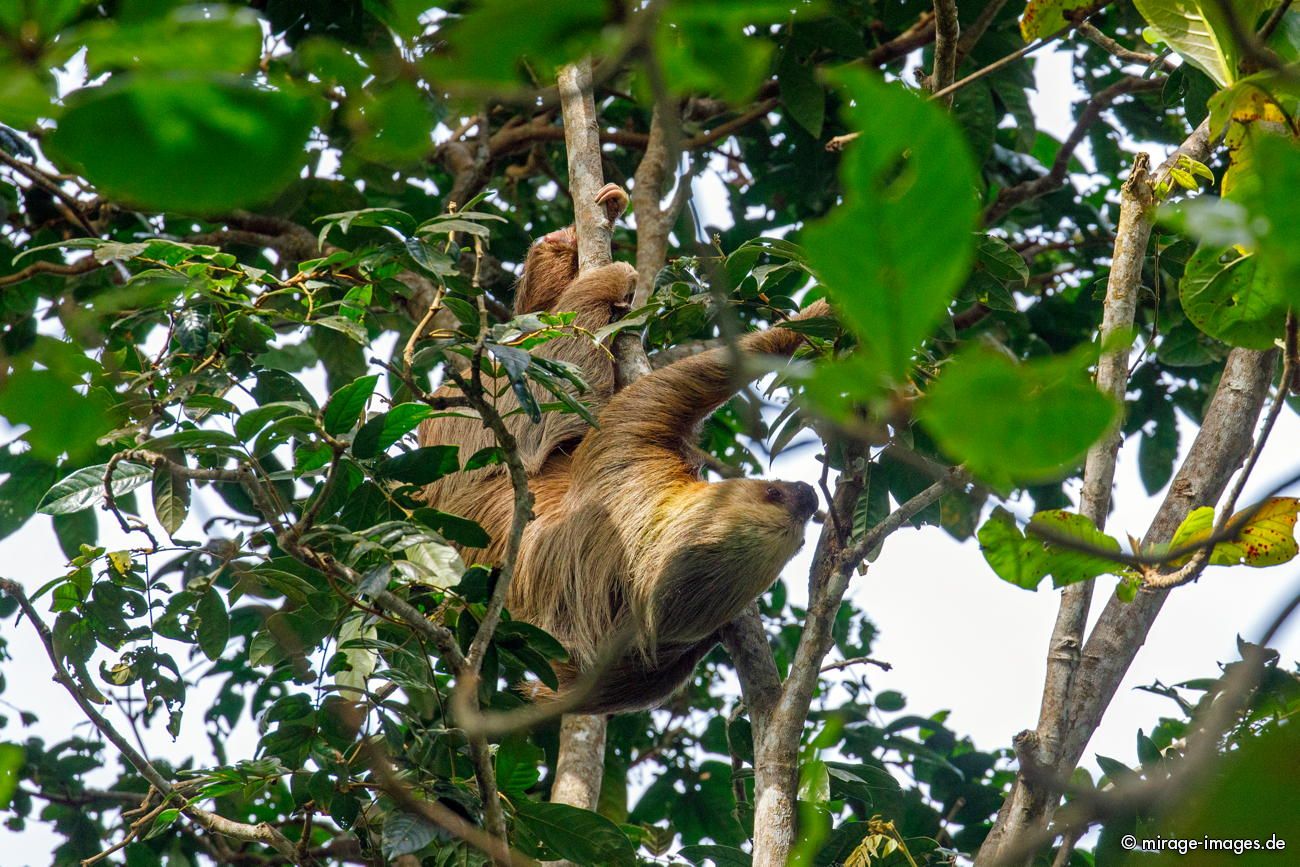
(627,536)
(549,283)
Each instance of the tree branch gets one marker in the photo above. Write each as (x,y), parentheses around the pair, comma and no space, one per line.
(947,30)
(1010,197)
(81,266)
(1077,15)
(1095,36)
(1070,680)
(580,767)
(1221,444)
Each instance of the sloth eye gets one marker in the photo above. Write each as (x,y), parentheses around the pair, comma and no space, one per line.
(773,494)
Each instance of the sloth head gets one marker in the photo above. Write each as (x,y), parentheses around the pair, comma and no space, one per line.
(725,543)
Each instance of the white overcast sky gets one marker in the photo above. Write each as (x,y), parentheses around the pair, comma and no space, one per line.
(958,638)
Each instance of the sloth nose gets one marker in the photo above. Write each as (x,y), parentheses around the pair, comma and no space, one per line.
(803,499)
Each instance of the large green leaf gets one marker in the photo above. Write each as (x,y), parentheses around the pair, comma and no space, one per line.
(566,31)
(189,143)
(86,487)
(215,39)
(1199,31)
(1230,298)
(1010,421)
(345,404)
(1025,558)
(1043,17)
(421,466)
(900,246)
(380,432)
(213,627)
(12,757)
(171,496)
(581,836)
(405,833)
(1273,199)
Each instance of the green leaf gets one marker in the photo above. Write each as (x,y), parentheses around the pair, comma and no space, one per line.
(1027,422)
(518,765)
(704,48)
(380,432)
(421,466)
(801,95)
(1067,566)
(1226,295)
(405,833)
(188,439)
(392,125)
(453,528)
(213,630)
(63,417)
(814,782)
(1024,559)
(581,836)
(366,217)
(485,457)
(1158,450)
(564,33)
(1271,198)
(12,757)
(345,405)
(220,40)
(1013,558)
(189,143)
(248,424)
(519,632)
(25,97)
(162,822)
(1198,30)
(721,856)
(996,256)
(900,246)
(85,487)
(171,496)
(345,807)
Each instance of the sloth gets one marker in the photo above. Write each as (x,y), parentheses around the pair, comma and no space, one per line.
(550,283)
(628,538)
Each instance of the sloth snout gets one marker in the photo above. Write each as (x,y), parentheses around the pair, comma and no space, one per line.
(798,497)
(803,500)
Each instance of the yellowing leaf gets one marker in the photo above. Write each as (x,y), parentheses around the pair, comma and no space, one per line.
(1044,17)
(1266,538)
(121,561)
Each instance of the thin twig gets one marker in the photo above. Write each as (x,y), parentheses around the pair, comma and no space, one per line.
(1010,197)
(1095,36)
(1029,49)
(856,660)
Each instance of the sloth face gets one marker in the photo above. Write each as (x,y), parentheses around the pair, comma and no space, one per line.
(798,498)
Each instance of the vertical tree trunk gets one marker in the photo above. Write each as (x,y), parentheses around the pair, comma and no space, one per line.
(1220,446)
(581,764)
